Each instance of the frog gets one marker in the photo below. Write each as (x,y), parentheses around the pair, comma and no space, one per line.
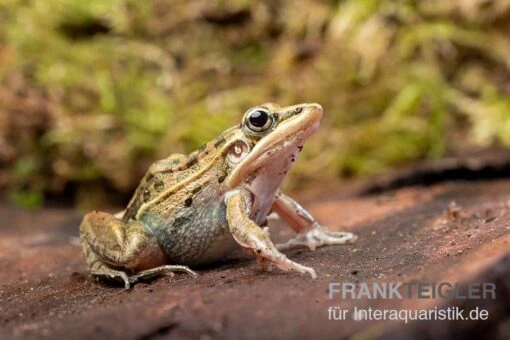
(197,209)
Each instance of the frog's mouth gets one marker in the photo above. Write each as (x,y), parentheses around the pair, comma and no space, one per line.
(289,135)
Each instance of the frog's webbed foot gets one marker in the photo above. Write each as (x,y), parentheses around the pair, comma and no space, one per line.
(310,233)
(255,240)
(318,237)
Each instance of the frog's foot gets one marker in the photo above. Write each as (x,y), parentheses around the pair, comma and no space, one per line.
(166,270)
(318,237)
(107,273)
(268,255)
(258,243)
(309,232)
(101,270)
(266,262)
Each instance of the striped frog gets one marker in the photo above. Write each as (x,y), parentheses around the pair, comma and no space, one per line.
(196,209)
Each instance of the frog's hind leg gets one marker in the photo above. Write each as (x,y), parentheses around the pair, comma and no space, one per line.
(309,232)
(113,249)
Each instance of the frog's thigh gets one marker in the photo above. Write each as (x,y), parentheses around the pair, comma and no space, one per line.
(119,244)
(252,238)
(310,233)
(107,242)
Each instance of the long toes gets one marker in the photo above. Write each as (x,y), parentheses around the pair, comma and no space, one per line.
(293,243)
(189,271)
(338,239)
(311,272)
(182,269)
(169,273)
(318,238)
(304,270)
(114,275)
(325,237)
(341,235)
(286,264)
(121,276)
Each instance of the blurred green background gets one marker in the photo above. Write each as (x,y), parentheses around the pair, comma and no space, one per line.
(92,92)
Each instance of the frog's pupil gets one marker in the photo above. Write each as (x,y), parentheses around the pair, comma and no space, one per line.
(258,119)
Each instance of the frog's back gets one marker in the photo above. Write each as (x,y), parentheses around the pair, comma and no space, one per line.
(169,179)
(161,175)
(181,202)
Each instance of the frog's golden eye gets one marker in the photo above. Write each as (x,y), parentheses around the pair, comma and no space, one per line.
(258,120)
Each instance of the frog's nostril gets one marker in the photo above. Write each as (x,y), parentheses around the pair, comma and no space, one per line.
(316,106)
(316,109)
(299,109)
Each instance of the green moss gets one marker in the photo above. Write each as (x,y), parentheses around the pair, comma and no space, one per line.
(27,199)
(120,83)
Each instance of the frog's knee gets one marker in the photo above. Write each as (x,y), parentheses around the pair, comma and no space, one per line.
(86,223)
(89,219)
(99,217)
(100,222)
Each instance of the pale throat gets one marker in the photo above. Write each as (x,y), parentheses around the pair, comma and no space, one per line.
(267,181)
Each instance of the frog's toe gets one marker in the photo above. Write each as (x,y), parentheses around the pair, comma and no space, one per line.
(117,275)
(170,270)
(270,257)
(125,278)
(127,283)
(318,237)
(184,269)
(287,264)
(166,270)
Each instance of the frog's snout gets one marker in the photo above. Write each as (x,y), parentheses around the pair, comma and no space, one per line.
(314,110)
(315,107)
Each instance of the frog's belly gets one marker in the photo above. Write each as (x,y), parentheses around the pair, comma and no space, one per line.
(219,249)
(199,235)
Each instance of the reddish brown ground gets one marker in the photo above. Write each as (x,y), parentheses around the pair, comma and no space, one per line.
(405,234)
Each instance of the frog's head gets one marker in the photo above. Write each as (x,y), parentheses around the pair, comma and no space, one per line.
(268,141)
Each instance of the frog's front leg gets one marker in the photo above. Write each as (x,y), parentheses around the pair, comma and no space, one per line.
(309,232)
(113,248)
(254,239)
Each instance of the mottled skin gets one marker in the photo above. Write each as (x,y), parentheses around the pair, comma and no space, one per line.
(197,209)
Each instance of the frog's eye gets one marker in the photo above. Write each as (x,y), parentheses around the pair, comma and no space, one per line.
(258,120)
